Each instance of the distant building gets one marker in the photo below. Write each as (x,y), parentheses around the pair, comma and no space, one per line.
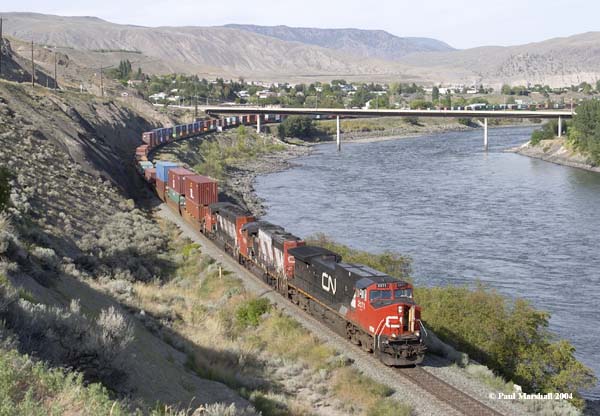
(159,96)
(243,94)
(134,82)
(265,94)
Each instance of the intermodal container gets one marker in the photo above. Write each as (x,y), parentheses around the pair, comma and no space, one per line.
(174,196)
(162,169)
(147,136)
(176,176)
(144,164)
(150,174)
(160,188)
(195,210)
(201,190)
(142,150)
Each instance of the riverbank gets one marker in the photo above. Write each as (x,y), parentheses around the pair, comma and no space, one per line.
(241,176)
(556,151)
(375,129)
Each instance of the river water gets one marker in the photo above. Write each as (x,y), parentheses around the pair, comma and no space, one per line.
(523,226)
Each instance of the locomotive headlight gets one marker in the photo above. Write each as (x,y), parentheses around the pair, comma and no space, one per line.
(394,335)
(399,310)
(418,333)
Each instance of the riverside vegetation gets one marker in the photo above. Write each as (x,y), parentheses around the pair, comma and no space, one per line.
(509,336)
(583,132)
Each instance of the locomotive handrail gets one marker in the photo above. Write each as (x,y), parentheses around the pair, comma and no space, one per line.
(376,336)
(422,326)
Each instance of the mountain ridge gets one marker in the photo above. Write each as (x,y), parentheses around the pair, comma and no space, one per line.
(364,43)
(281,53)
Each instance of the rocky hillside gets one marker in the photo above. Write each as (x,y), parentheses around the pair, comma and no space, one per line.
(71,233)
(363,43)
(556,62)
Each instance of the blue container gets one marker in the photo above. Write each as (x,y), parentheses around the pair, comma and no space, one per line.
(162,169)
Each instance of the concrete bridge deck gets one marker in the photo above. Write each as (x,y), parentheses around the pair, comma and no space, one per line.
(542,114)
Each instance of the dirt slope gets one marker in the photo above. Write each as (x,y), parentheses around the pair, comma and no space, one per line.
(70,155)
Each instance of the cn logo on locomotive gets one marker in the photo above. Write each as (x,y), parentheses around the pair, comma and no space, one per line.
(328,283)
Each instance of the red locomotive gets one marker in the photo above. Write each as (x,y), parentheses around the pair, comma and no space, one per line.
(368,307)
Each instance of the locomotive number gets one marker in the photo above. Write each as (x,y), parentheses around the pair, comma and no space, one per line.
(328,283)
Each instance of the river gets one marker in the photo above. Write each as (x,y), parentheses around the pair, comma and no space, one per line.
(523,226)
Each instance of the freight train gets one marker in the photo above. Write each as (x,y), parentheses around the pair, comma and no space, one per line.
(369,308)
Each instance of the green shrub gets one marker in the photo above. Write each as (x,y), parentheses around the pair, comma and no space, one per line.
(31,388)
(218,155)
(249,312)
(465,121)
(548,132)
(585,131)
(389,407)
(5,177)
(510,337)
(297,126)
(389,262)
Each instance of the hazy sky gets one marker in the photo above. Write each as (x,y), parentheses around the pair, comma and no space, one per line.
(461,23)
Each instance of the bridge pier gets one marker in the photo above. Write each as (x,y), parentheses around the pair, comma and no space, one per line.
(559,126)
(485,134)
(338,140)
(258,123)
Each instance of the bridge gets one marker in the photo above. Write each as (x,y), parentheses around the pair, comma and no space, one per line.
(354,113)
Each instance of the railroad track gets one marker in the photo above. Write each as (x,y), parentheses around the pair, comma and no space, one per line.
(438,388)
(445,392)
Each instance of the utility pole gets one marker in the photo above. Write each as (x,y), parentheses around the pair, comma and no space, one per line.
(101,83)
(55,72)
(32,67)
(1,46)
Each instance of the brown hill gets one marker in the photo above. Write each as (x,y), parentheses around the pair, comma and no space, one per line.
(557,62)
(216,50)
(282,53)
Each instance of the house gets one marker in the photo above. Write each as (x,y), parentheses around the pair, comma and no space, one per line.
(265,94)
(159,96)
(243,94)
(134,82)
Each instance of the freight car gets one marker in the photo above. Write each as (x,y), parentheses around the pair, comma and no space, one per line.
(368,307)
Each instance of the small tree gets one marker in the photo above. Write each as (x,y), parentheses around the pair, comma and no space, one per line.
(297,126)
(5,176)
(435,94)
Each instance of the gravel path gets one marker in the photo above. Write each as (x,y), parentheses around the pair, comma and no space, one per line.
(422,402)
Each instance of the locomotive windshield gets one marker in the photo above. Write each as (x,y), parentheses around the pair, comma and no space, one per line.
(380,295)
(387,295)
(403,293)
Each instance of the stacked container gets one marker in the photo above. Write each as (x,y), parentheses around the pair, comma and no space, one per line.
(143,165)
(200,191)
(176,176)
(141,152)
(150,174)
(162,176)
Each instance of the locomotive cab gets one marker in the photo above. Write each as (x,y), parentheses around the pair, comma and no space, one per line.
(385,306)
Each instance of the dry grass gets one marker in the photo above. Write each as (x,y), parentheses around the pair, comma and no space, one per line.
(358,390)
(253,355)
